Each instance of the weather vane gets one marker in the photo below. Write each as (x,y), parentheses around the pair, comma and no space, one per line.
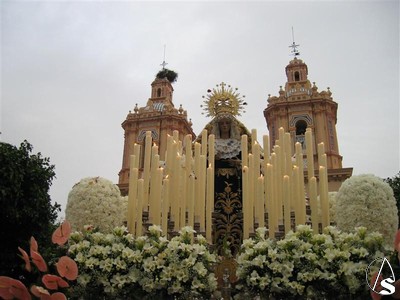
(294,52)
(164,63)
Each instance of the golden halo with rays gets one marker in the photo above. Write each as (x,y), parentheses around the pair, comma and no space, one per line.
(223,99)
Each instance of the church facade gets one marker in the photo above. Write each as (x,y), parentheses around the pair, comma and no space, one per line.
(299,105)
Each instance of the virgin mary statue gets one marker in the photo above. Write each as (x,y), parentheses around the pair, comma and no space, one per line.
(224,104)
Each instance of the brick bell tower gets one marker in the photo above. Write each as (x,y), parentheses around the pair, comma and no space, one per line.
(300,106)
(158,116)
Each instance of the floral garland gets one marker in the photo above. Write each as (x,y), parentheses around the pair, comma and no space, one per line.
(305,265)
(368,201)
(119,266)
(96,200)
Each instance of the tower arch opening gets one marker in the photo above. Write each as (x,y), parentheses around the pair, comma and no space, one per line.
(301,127)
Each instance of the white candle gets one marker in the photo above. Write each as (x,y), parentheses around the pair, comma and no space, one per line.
(209,206)
(191,198)
(132,196)
(245,202)
(310,154)
(203,166)
(251,192)
(136,152)
(267,152)
(244,149)
(146,173)
(197,205)
(286,202)
(211,150)
(204,142)
(272,220)
(288,154)
(165,206)
(314,204)
(140,196)
(260,201)
(157,193)
(323,196)
(175,199)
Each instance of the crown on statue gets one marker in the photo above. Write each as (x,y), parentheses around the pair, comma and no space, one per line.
(223,100)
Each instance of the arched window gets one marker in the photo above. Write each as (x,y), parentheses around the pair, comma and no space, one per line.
(159,92)
(296,76)
(301,127)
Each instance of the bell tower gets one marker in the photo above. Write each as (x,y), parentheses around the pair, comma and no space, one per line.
(160,116)
(300,106)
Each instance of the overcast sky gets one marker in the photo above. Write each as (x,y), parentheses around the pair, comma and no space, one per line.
(71,71)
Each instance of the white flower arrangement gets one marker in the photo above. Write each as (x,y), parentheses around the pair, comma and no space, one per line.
(368,201)
(305,265)
(119,266)
(95,201)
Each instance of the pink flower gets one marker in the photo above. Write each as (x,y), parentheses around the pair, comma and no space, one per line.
(13,289)
(34,245)
(38,260)
(62,233)
(67,268)
(53,282)
(25,257)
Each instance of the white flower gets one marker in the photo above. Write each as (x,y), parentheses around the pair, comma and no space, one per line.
(366,200)
(95,201)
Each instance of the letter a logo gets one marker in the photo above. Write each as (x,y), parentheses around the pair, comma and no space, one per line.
(380,285)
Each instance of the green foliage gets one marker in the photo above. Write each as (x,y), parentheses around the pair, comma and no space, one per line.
(172,76)
(394,183)
(26,208)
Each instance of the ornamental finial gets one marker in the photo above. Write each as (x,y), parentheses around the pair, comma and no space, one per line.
(223,99)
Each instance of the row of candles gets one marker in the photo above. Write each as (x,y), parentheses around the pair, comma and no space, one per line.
(181,189)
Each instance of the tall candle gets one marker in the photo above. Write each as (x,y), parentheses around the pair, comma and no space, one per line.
(245,204)
(165,206)
(267,152)
(197,205)
(286,202)
(175,199)
(321,151)
(251,192)
(140,196)
(323,196)
(146,172)
(204,142)
(277,201)
(296,197)
(157,194)
(244,149)
(211,151)
(209,205)
(136,152)
(272,220)
(191,198)
(203,166)
(175,135)
(310,154)
(132,196)
(183,198)
(314,204)
(299,163)
(288,154)
(260,201)
(281,134)
(169,154)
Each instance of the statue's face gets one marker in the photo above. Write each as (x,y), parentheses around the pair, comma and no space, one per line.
(224,125)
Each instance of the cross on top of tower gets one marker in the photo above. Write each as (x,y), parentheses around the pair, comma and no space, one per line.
(295,52)
(163,64)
